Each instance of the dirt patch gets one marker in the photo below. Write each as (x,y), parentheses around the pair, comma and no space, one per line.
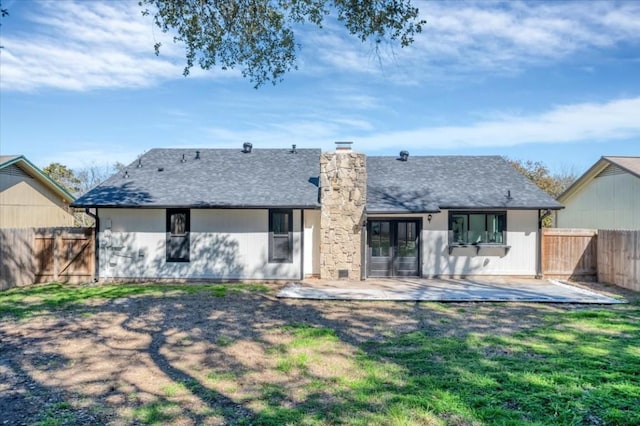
(201,359)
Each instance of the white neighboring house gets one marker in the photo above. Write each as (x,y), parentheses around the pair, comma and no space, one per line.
(287,214)
(607,196)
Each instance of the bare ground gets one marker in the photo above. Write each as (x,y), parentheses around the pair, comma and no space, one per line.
(206,359)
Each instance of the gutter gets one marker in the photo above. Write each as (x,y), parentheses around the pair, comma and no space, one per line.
(539,272)
(96,244)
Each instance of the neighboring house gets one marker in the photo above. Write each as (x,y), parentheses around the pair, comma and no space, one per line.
(227,214)
(607,196)
(30,198)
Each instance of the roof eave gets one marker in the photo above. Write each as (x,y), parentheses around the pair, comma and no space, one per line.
(40,176)
(583,180)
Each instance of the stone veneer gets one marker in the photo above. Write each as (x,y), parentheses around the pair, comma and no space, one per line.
(343,195)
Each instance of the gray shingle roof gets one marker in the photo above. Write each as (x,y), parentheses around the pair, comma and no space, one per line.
(220,178)
(278,178)
(431,183)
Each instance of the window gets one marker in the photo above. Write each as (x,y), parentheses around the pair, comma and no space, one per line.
(178,226)
(477,227)
(281,236)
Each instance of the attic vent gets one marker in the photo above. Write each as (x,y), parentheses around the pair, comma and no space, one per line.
(293,149)
(197,155)
(14,170)
(610,170)
(404,155)
(247,147)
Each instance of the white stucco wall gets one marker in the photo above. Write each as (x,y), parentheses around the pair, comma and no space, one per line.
(311,243)
(519,260)
(224,244)
(606,202)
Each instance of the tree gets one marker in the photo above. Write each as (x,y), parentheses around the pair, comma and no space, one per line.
(258,36)
(92,176)
(80,182)
(539,174)
(64,176)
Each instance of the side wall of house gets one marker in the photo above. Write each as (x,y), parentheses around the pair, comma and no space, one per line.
(607,202)
(520,259)
(312,243)
(225,244)
(26,203)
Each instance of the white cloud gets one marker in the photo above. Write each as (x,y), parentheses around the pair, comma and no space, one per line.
(462,38)
(614,120)
(617,119)
(86,45)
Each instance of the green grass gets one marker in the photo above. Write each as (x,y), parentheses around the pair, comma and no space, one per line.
(575,367)
(26,301)
(578,368)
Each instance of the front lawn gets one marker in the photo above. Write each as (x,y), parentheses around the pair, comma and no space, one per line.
(234,354)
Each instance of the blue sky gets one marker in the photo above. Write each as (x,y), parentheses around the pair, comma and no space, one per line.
(554,82)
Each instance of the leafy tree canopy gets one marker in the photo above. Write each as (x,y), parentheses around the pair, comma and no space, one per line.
(539,174)
(257,36)
(64,176)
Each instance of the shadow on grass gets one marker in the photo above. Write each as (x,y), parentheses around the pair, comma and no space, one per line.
(453,364)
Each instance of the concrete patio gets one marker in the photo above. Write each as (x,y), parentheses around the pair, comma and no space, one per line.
(495,289)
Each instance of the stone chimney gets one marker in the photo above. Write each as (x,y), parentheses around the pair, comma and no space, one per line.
(343,195)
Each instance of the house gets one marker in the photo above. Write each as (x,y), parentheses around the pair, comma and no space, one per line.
(607,196)
(29,198)
(270,214)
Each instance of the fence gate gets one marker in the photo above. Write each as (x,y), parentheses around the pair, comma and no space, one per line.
(570,253)
(64,254)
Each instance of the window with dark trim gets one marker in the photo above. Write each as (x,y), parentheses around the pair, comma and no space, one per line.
(477,227)
(281,236)
(178,227)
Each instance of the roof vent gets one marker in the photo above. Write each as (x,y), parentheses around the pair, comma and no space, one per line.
(509,197)
(404,155)
(139,162)
(161,169)
(247,147)
(183,159)
(293,149)
(126,174)
(343,146)
(197,155)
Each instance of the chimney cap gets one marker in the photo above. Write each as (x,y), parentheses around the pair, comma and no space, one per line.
(343,146)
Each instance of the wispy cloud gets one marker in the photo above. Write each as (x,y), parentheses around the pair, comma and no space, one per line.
(462,38)
(86,45)
(614,120)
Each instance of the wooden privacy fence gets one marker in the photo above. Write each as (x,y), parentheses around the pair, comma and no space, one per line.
(34,255)
(570,253)
(619,258)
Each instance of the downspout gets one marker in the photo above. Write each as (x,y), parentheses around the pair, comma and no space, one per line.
(363,248)
(96,244)
(539,272)
(301,244)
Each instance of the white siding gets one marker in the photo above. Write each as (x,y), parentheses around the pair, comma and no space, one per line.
(224,244)
(311,243)
(606,202)
(522,227)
